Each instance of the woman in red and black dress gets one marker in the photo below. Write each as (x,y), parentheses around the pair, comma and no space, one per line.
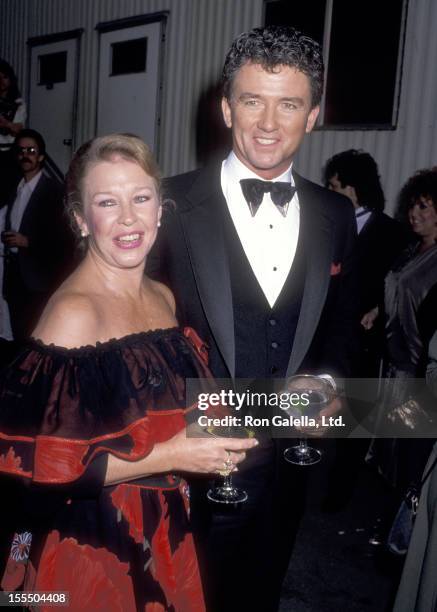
(92,413)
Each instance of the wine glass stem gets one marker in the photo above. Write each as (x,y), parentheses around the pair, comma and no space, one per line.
(227,482)
(303,443)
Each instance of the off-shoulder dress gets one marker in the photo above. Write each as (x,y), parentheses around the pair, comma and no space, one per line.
(122,548)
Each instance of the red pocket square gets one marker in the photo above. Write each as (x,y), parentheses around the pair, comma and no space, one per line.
(335,269)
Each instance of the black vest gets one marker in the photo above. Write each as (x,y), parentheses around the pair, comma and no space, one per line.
(263,335)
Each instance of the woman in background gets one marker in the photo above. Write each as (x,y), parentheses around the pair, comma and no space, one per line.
(401,461)
(418,587)
(12,119)
(92,415)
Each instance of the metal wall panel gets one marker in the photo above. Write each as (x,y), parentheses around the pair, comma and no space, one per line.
(13,36)
(196,62)
(198,34)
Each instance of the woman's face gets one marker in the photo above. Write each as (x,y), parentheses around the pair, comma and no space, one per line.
(121,212)
(5,83)
(423,218)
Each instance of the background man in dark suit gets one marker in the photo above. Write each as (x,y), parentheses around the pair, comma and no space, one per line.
(36,237)
(381,239)
(263,272)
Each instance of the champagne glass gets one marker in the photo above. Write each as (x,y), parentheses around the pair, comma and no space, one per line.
(226,492)
(319,392)
(223,491)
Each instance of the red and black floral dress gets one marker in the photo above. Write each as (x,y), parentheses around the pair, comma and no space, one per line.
(125,547)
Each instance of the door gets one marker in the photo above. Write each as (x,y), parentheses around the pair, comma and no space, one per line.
(129,81)
(52,94)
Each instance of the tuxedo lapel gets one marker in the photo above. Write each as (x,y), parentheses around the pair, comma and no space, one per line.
(201,220)
(317,236)
(202,227)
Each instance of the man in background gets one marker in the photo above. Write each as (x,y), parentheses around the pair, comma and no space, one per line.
(381,239)
(36,238)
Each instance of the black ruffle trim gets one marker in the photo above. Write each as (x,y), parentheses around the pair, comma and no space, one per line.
(113,343)
(97,390)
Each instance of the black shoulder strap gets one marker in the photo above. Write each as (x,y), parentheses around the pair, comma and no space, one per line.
(428,472)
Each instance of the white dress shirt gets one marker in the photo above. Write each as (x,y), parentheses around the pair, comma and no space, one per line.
(24,193)
(269,239)
(7,140)
(361,216)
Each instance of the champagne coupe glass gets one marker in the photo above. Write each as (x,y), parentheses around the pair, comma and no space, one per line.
(226,492)
(320,393)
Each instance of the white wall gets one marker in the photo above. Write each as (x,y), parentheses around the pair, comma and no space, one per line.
(198,35)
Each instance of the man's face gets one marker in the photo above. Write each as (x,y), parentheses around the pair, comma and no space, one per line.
(28,155)
(269,113)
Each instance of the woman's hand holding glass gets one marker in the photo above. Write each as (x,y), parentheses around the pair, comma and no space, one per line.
(206,455)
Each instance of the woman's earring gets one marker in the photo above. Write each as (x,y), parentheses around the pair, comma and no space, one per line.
(83,234)
(159,223)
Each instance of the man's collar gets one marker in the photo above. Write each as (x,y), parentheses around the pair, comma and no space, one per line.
(33,181)
(235,168)
(361,211)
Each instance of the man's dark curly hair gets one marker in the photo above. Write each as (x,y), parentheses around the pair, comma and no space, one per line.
(359,170)
(275,46)
(422,184)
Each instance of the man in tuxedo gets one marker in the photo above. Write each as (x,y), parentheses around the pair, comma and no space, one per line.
(260,263)
(36,237)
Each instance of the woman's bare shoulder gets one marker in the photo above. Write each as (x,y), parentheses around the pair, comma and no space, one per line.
(70,319)
(164,292)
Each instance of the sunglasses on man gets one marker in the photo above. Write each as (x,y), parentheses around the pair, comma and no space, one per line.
(27,151)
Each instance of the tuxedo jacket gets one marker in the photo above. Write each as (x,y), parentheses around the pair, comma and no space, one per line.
(43,263)
(190,257)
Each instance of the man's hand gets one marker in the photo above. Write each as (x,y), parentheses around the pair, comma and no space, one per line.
(322,386)
(319,430)
(15,239)
(369,318)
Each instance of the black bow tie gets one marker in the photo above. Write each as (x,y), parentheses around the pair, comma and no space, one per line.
(254,190)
